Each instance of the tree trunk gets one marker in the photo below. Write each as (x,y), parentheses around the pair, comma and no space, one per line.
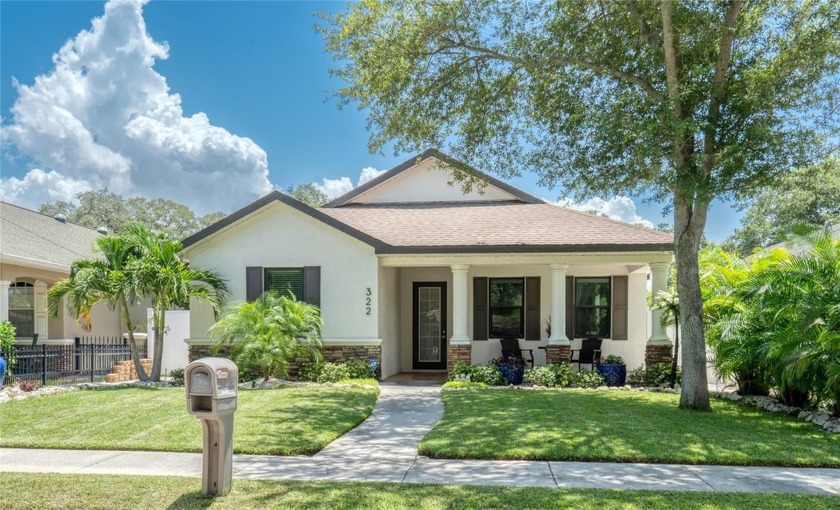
(676,351)
(160,327)
(689,224)
(135,353)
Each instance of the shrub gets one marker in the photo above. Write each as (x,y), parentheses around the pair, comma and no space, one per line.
(612,359)
(464,384)
(333,372)
(310,371)
(552,376)
(359,369)
(176,377)
(658,374)
(488,374)
(588,379)
(28,386)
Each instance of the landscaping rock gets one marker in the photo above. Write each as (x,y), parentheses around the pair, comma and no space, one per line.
(820,419)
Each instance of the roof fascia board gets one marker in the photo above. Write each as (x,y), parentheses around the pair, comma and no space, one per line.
(416,160)
(278,196)
(46,265)
(522,248)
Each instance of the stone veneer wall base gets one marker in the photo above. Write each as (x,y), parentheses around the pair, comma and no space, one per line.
(557,354)
(458,354)
(658,354)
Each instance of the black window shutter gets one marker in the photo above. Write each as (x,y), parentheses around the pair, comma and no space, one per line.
(480,317)
(312,285)
(253,282)
(619,308)
(532,308)
(570,307)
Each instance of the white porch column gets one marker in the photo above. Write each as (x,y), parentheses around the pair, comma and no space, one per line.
(558,305)
(459,305)
(4,299)
(659,275)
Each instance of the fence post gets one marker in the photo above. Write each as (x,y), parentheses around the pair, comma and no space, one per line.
(78,342)
(92,360)
(43,364)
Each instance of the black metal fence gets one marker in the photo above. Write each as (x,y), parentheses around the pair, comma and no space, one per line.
(65,364)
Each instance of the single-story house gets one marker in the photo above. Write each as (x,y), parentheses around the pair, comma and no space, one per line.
(36,251)
(411,270)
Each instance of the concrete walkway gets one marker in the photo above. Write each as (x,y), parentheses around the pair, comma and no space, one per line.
(384,449)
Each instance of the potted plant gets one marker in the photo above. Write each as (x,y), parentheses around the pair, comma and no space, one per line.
(512,368)
(614,370)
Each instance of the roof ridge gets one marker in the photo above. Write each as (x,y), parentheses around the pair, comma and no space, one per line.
(47,216)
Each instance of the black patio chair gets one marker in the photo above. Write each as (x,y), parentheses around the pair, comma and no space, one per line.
(511,349)
(589,353)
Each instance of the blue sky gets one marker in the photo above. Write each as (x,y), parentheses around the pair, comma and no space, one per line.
(256,70)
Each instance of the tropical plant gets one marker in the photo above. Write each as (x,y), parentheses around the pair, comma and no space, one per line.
(269,331)
(488,374)
(162,274)
(552,376)
(685,102)
(669,303)
(613,359)
(110,279)
(588,379)
(655,375)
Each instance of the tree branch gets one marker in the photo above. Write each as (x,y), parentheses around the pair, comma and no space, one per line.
(646,32)
(669,46)
(719,86)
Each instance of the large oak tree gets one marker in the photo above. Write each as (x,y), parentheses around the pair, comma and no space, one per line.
(682,101)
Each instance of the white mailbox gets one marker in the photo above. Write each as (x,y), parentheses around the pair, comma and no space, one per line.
(211,385)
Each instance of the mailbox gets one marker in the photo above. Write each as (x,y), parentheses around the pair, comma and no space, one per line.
(211,385)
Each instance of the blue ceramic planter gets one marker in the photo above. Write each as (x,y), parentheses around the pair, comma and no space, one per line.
(513,373)
(614,375)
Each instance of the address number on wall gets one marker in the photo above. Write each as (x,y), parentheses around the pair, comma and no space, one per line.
(368,301)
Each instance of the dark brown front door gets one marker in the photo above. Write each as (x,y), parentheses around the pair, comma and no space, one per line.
(429,326)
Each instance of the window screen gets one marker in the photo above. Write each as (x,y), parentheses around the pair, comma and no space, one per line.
(281,281)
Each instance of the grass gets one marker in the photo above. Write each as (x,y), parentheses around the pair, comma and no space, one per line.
(25,491)
(285,421)
(621,427)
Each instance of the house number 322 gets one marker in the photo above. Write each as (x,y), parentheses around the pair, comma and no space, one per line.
(368,301)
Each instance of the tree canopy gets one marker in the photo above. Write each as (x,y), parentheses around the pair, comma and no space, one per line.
(807,198)
(685,101)
(103,208)
(309,194)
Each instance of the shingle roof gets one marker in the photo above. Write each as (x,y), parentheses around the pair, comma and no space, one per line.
(493,227)
(41,238)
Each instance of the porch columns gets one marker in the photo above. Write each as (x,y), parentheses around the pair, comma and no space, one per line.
(659,271)
(558,305)
(4,299)
(459,305)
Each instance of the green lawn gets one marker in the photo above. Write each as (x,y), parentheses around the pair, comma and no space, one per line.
(622,427)
(23,491)
(285,421)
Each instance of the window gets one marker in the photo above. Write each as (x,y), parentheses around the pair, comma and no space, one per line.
(282,281)
(22,308)
(507,307)
(592,307)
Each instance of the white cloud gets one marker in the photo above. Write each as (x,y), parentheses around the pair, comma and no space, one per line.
(617,208)
(369,174)
(104,117)
(334,188)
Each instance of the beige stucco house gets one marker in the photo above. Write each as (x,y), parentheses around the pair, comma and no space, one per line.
(36,251)
(413,271)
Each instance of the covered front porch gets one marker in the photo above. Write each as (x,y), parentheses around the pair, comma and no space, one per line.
(436,310)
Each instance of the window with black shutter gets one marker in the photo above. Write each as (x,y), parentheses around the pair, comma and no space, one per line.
(283,280)
(592,307)
(507,307)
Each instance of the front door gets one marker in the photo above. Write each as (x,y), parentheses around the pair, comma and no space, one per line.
(430,326)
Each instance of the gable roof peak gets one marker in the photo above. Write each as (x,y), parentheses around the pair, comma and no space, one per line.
(432,153)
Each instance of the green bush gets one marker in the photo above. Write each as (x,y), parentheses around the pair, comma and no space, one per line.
(658,374)
(488,374)
(464,384)
(613,359)
(588,379)
(552,376)
(176,377)
(359,369)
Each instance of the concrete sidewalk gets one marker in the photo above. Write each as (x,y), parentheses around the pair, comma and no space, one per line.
(384,449)
(434,471)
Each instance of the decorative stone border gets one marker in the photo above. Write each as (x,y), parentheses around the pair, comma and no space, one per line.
(819,418)
(9,393)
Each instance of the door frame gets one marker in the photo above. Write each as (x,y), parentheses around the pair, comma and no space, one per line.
(415,332)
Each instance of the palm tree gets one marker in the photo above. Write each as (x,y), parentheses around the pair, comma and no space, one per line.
(107,279)
(266,333)
(170,281)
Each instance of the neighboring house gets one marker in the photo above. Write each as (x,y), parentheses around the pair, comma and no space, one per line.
(36,251)
(408,269)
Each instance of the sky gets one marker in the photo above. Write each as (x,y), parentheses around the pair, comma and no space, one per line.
(211,104)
